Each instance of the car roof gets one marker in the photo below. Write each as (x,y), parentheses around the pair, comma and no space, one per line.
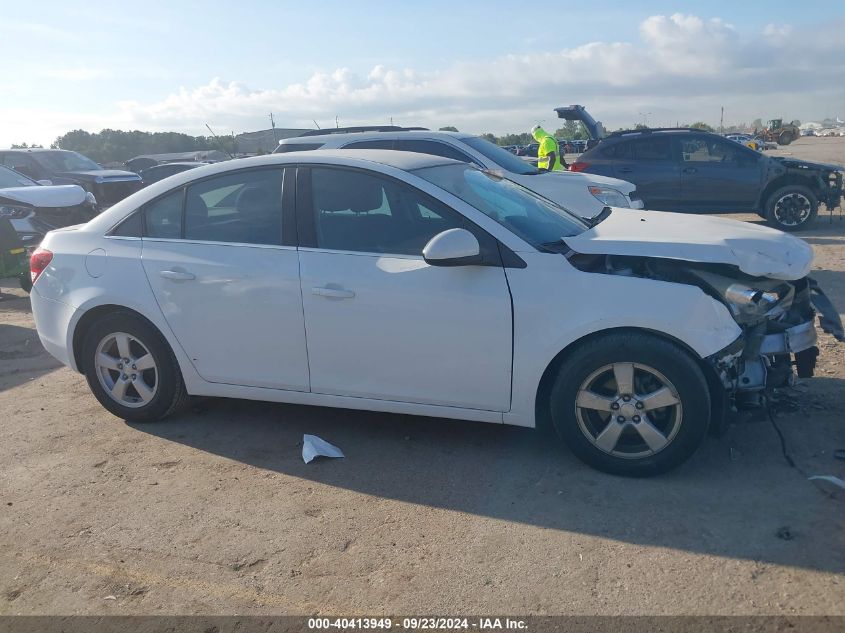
(374,134)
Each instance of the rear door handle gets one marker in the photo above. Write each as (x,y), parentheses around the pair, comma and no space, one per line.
(177,275)
(332,293)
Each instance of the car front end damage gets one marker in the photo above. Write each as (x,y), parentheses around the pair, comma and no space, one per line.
(825,180)
(777,319)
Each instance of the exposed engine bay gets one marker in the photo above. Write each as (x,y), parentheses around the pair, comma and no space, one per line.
(777,317)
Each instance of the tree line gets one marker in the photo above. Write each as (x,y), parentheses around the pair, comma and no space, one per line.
(110,146)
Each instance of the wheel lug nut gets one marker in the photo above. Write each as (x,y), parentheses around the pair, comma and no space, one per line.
(134,376)
(614,406)
(134,367)
(620,419)
(639,405)
(626,398)
(636,418)
(123,376)
(120,365)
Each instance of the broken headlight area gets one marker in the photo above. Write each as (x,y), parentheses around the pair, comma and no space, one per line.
(777,319)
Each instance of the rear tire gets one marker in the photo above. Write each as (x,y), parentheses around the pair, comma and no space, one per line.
(791,208)
(626,376)
(131,369)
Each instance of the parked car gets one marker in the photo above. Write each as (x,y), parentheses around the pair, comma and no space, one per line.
(680,169)
(158,172)
(747,140)
(31,209)
(62,167)
(530,150)
(410,283)
(585,196)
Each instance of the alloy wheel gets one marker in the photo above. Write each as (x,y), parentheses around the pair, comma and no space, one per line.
(628,410)
(793,209)
(126,370)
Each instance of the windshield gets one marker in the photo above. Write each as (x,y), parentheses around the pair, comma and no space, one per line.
(9,178)
(65,161)
(533,218)
(502,157)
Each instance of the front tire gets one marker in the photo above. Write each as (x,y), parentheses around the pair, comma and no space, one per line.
(131,369)
(631,404)
(791,208)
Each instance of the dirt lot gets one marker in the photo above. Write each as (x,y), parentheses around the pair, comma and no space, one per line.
(214,512)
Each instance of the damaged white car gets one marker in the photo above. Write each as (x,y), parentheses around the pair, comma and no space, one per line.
(410,283)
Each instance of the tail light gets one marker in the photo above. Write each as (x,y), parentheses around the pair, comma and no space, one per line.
(38,261)
(576,166)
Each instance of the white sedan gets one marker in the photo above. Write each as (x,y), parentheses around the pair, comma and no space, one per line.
(410,283)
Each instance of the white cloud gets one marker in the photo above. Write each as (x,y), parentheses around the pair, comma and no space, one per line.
(682,68)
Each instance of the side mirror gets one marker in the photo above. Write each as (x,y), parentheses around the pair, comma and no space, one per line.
(44,182)
(455,247)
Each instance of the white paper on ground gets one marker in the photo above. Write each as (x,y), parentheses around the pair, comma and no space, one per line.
(313,446)
(834,480)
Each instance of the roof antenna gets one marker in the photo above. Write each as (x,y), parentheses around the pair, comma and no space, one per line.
(315,123)
(219,142)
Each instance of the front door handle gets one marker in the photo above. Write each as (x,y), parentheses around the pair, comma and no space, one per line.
(177,275)
(690,170)
(332,293)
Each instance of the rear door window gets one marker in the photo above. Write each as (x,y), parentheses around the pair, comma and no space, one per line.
(619,151)
(382,143)
(434,148)
(244,207)
(653,149)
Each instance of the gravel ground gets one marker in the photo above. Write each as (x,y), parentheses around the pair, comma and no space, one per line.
(214,512)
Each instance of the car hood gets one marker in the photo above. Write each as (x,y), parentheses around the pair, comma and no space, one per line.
(45,196)
(807,164)
(555,184)
(100,174)
(756,250)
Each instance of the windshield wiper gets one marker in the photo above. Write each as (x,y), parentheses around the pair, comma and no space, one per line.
(557,246)
(601,217)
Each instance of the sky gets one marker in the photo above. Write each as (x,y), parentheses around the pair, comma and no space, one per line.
(480,66)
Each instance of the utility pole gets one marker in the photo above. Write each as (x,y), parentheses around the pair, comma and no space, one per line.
(336,124)
(273,125)
(722,122)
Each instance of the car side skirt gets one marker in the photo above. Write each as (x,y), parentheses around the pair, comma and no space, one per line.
(342,402)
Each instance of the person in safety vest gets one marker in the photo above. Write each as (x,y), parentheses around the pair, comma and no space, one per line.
(549,154)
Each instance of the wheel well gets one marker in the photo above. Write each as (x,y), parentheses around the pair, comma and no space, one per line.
(90,318)
(783,181)
(542,412)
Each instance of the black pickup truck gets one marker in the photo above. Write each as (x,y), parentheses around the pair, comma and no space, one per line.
(685,169)
(63,167)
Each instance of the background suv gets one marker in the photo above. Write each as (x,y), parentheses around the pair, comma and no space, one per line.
(584,195)
(681,169)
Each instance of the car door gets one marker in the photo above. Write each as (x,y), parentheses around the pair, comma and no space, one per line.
(719,175)
(651,165)
(381,322)
(222,263)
